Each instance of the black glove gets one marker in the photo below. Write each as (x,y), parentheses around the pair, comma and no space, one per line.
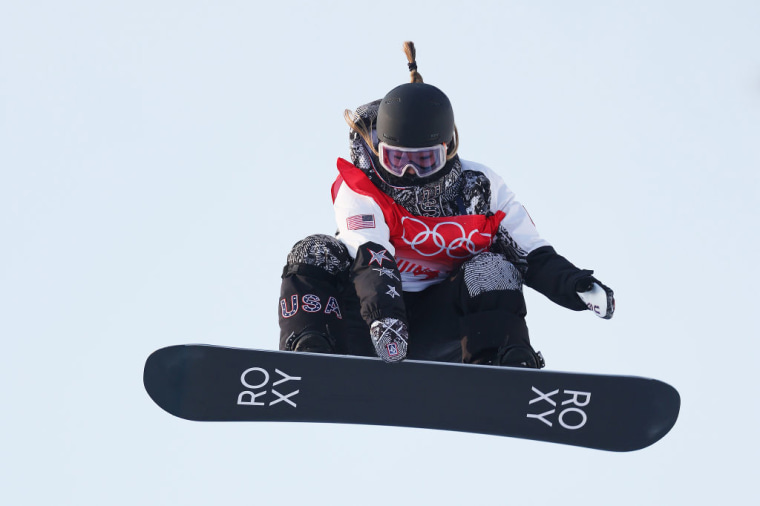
(389,336)
(598,298)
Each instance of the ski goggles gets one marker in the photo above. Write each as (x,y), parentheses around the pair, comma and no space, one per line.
(424,161)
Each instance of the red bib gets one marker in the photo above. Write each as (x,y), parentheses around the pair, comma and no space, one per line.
(441,243)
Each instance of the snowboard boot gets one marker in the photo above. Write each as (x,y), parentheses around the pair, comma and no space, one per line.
(520,356)
(310,341)
(498,338)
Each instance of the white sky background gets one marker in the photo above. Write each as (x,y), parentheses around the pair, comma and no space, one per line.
(159,159)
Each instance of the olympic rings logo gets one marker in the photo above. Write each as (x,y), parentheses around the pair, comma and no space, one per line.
(431,243)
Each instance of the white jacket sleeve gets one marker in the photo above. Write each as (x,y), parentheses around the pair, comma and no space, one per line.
(360,220)
(548,272)
(517,222)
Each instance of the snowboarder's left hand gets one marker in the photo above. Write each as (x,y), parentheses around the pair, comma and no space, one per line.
(598,298)
(389,336)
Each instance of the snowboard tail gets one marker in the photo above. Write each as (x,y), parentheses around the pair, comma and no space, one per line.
(606,412)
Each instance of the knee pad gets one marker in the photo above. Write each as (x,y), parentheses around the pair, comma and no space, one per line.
(323,251)
(490,272)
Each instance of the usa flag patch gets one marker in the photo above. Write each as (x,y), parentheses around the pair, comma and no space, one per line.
(360,221)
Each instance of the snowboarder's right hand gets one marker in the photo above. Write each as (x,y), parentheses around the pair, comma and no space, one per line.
(389,336)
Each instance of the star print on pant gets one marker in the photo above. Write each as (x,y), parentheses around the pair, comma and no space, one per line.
(392,292)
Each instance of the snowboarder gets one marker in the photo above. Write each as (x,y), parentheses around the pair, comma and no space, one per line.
(431,253)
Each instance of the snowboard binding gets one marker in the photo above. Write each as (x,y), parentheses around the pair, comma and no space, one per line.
(520,356)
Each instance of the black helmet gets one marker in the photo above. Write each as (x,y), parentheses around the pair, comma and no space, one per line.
(415,115)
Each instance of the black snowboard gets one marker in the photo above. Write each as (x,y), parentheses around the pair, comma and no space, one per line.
(212,383)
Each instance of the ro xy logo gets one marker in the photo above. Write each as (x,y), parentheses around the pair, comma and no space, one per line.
(570,416)
(255,379)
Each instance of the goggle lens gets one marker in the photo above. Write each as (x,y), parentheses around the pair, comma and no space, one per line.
(425,161)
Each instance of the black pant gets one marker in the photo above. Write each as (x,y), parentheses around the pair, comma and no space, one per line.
(446,323)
